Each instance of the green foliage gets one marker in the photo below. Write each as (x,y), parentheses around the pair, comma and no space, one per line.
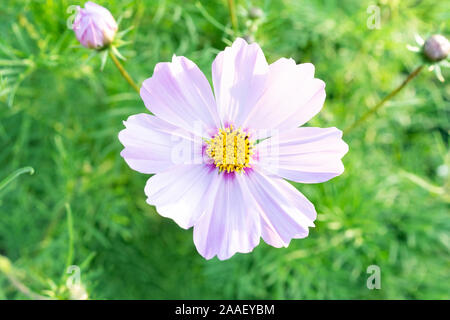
(60,115)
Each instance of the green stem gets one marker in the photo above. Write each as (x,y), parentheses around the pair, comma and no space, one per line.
(212,20)
(14,175)
(8,270)
(233,16)
(123,72)
(70,231)
(373,110)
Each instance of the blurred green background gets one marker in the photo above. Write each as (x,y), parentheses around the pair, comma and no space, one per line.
(84,206)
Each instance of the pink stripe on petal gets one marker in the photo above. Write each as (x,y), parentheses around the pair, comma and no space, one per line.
(153,145)
(292,97)
(315,98)
(284,212)
(307,155)
(230,225)
(179,93)
(239,73)
(183,193)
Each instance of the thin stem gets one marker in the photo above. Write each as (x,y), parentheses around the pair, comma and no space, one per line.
(212,20)
(123,72)
(371,111)
(7,269)
(70,231)
(14,175)
(24,289)
(233,16)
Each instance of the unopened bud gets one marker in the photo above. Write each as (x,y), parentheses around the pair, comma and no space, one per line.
(436,47)
(255,13)
(94,26)
(249,38)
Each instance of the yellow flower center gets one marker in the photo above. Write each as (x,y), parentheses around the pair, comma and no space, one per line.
(230,149)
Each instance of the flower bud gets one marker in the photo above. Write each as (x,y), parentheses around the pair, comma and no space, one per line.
(249,38)
(436,47)
(94,26)
(255,13)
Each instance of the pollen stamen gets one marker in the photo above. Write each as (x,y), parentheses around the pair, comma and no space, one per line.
(230,149)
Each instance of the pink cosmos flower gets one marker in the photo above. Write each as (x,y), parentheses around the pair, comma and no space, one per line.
(220,159)
(94,26)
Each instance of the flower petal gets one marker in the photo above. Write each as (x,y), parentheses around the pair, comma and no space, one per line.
(292,96)
(183,193)
(307,155)
(153,145)
(239,73)
(179,93)
(231,224)
(285,213)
